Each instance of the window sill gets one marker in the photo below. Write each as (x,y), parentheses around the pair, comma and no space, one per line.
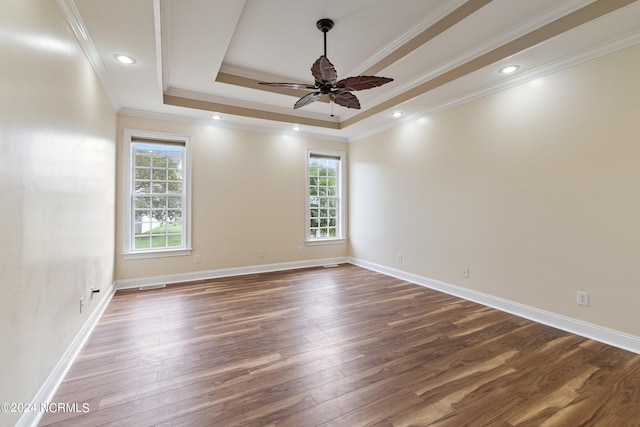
(157,254)
(325,242)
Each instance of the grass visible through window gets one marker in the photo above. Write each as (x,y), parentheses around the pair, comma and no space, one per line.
(166,235)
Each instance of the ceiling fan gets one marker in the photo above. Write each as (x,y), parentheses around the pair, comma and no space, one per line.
(326,79)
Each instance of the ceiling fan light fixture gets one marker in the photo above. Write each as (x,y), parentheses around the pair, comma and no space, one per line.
(509,69)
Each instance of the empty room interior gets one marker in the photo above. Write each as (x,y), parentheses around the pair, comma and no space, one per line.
(320,213)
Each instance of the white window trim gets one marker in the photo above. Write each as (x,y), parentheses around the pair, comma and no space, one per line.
(127,252)
(342,234)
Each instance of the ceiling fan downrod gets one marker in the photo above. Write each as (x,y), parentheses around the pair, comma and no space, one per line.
(324,25)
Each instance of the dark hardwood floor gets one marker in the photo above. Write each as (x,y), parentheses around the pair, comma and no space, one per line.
(339,346)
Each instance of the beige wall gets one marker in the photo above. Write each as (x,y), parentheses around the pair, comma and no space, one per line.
(57,185)
(535,189)
(248,194)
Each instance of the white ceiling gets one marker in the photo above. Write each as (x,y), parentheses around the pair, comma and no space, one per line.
(195,57)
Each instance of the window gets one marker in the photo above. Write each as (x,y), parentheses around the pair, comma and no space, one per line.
(324,196)
(157,194)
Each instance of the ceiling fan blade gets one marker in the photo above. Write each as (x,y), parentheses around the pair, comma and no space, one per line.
(362,82)
(307,99)
(290,85)
(324,71)
(344,98)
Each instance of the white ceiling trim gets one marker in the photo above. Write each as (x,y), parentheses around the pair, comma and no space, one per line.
(161,68)
(72,16)
(233,102)
(407,36)
(494,43)
(552,67)
(586,55)
(285,129)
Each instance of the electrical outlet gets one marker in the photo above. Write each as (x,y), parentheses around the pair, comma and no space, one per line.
(399,257)
(300,249)
(81,304)
(465,272)
(260,253)
(583,298)
(196,259)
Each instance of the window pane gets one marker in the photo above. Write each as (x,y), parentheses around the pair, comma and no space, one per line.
(174,215)
(174,202)
(174,187)
(142,158)
(141,202)
(158,242)
(159,174)
(159,159)
(159,187)
(159,202)
(142,242)
(143,173)
(143,187)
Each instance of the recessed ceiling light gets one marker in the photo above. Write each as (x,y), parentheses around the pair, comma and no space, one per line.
(296,128)
(508,69)
(396,114)
(216,116)
(125,59)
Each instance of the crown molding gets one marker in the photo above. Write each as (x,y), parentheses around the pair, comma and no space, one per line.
(72,16)
(549,68)
(203,121)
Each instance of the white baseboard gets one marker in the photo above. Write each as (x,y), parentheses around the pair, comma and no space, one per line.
(50,386)
(588,330)
(224,272)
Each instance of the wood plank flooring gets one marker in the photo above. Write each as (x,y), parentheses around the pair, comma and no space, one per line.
(339,346)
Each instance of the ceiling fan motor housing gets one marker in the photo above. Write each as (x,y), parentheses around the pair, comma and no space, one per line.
(324,24)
